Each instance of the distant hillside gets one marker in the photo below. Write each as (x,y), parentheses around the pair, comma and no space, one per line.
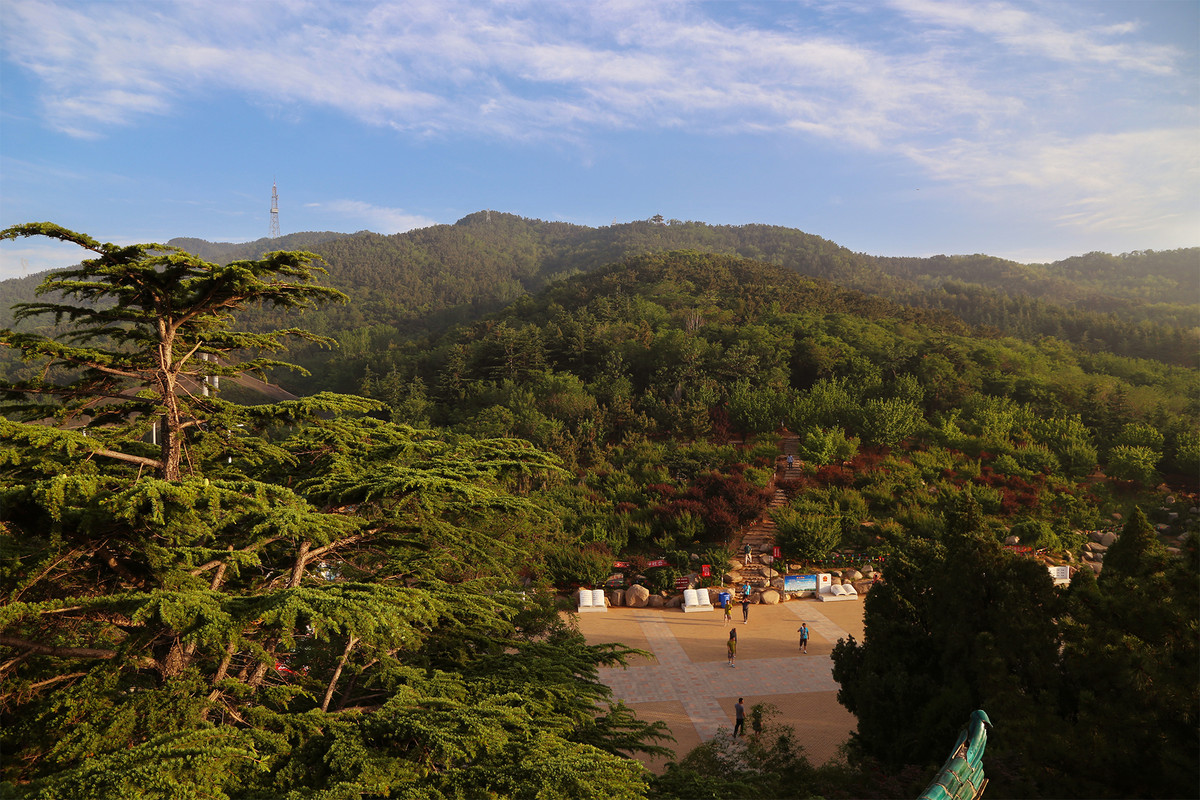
(1140,304)
(1144,304)
(225,252)
(695,345)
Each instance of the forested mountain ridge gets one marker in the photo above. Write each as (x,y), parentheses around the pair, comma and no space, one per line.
(686,343)
(225,252)
(1143,304)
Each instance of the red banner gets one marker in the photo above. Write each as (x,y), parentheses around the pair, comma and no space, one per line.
(658,562)
(776,552)
(620,564)
(706,570)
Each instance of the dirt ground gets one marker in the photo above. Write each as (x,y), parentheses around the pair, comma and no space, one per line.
(688,682)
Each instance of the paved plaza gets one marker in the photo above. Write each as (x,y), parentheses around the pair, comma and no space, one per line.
(689,685)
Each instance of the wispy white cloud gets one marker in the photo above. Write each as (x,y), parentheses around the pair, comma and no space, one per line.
(1139,181)
(24,257)
(1023,30)
(380,219)
(525,69)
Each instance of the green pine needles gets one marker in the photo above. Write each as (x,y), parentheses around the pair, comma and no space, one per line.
(287,599)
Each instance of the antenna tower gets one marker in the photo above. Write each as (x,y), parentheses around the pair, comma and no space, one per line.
(274,212)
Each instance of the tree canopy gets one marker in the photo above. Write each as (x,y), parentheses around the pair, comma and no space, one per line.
(331,609)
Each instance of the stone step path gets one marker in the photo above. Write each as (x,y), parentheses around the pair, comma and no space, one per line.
(761,534)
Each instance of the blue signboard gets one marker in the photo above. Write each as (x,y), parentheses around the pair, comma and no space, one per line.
(799,583)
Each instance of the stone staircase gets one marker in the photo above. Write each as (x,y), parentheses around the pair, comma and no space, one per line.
(761,535)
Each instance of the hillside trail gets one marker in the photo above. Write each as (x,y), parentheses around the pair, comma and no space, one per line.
(761,534)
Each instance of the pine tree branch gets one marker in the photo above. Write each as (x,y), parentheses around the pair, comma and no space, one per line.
(217,562)
(52,650)
(337,673)
(132,459)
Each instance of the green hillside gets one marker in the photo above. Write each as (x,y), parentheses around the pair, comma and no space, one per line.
(528,403)
(1143,304)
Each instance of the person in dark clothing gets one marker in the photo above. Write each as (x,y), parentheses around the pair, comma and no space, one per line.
(739,718)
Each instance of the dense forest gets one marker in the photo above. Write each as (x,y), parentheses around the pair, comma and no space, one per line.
(353,594)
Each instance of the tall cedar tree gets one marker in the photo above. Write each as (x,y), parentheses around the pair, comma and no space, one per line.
(149,330)
(281,600)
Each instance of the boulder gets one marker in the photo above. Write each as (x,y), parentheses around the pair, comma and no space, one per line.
(636,596)
(770,597)
(835,580)
(654,601)
(1108,538)
(1096,567)
(673,602)
(1012,540)
(851,575)
(616,597)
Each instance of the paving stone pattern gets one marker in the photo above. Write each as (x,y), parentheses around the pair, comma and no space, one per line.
(674,676)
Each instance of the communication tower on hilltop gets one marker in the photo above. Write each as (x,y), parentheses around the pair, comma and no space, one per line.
(274,212)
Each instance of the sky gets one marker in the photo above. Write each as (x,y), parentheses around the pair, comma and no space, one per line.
(1023,129)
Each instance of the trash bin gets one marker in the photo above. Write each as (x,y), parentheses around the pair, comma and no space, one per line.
(723,598)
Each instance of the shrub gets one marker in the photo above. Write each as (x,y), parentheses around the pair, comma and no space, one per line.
(570,567)
(806,537)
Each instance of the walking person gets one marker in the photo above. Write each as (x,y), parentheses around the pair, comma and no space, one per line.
(739,718)
(727,606)
(749,556)
(731,645)
(803,637)
(746,606)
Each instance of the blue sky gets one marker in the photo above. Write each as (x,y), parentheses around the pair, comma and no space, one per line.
(1028,130)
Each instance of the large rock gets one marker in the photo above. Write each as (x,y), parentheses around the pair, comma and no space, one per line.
(770,597)
(636,596)
(674,602)
(654,601)
(1108,538)
(851,575)
(616,597)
